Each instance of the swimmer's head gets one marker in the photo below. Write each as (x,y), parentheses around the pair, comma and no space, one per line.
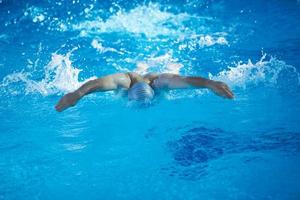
(141,91)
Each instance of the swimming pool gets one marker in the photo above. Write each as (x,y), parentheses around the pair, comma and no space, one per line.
(188,144)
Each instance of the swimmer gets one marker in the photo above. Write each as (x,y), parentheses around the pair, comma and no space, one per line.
(142,87)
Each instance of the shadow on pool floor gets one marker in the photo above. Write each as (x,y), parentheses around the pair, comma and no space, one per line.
(197,146)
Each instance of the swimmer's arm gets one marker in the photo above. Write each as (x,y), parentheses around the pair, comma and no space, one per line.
(106,83)
(174,81)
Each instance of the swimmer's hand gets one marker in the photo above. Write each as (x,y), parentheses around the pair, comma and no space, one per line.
(221,89)
(67,101)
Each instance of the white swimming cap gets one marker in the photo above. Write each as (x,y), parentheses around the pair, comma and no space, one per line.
(140,91)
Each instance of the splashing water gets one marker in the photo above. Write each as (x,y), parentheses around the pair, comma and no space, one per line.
(59,77)
(264,71)
(161,64)
(100,48)
(36,14)
(148,20)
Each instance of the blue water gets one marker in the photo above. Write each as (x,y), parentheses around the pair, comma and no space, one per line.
(188,145)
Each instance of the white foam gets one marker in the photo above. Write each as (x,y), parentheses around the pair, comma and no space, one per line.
(101,49)
(264,71)
(165,63)
(59,77)
(154,23)
(199,41)
(146,19)
(38,18)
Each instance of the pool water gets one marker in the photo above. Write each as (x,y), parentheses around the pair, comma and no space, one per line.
(188,144)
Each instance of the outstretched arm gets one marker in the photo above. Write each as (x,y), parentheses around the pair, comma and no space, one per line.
(174,81)
(106,83)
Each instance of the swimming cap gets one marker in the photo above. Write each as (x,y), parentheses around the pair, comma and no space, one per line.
(140,91)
